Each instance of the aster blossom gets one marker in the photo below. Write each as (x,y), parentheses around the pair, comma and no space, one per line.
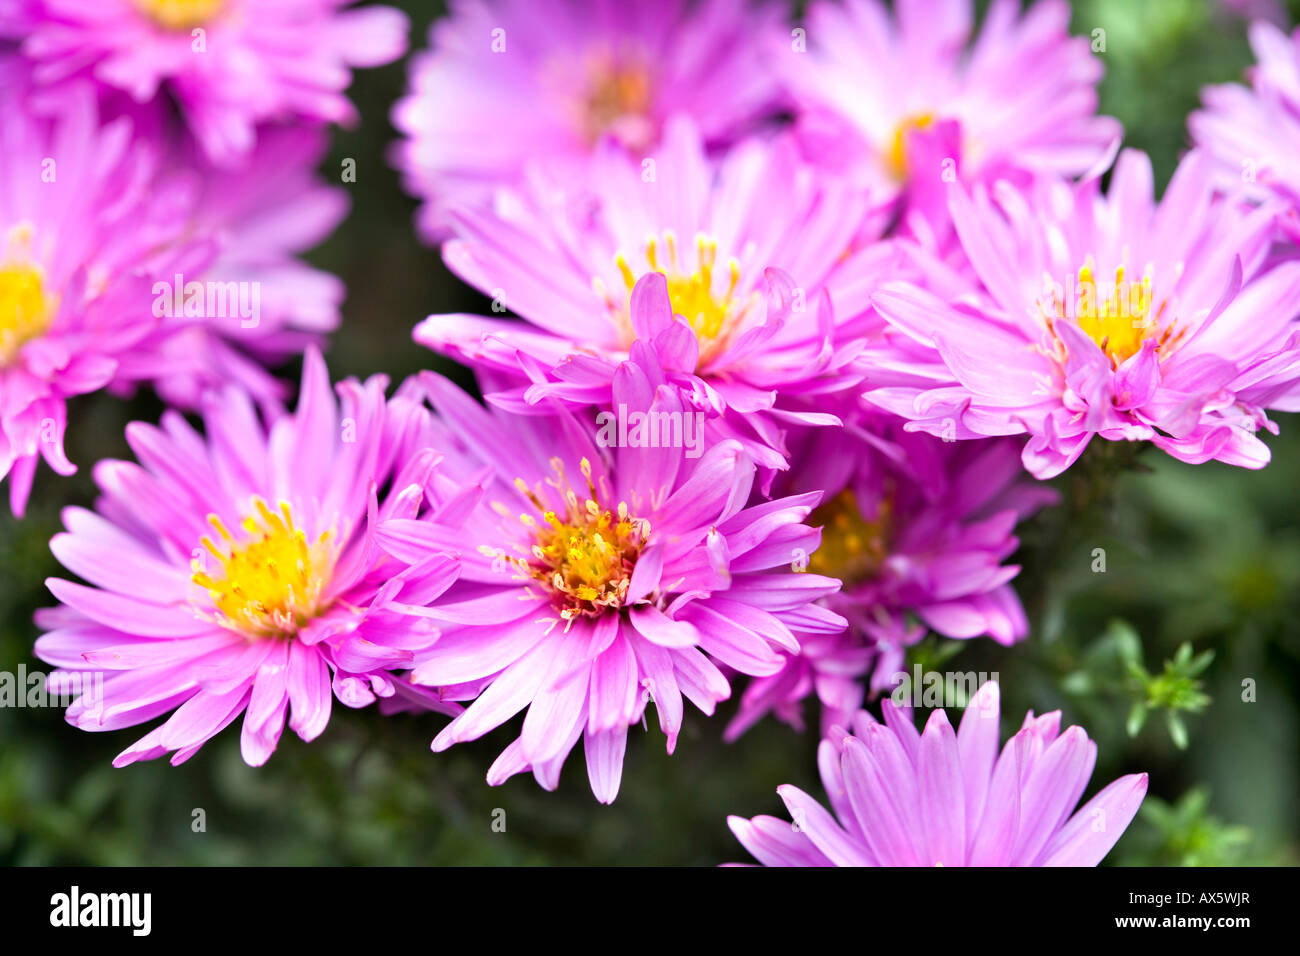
(908,103)
(229,65)
(85,227)
(249,584)
(1254,132)
(595,579)
(520,85)
(249,302)
(747,278)
(919,531)
(939,798)
(1105,315)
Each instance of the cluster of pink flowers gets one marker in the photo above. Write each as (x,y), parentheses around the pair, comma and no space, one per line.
(157,183)
(799,314)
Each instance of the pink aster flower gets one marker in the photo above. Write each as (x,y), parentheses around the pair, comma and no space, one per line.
(235,573)
(1105,315)
(745,258)
(250,302)
(1255,132)
(230,65)
(83,222)
(907,104)
(597,579)
(939,798)
(538,84)
(919,530)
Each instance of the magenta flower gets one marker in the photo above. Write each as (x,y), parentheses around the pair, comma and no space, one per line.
(905,103)
(598,578)
(1255,132)
(538,84)
(1101,315)
(249,303)
(230,65)
(744,259)
(938,798)
(236,573)
(919,531)
(83,222)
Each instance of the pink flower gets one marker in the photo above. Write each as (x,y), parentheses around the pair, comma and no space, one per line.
(597,579)
(919,530)
(538,84)
(235,573)
(1254,132)
(938,798)
(83,222)
(230,65)
(255,304)
(906,104)
(744,257)
(1101,315)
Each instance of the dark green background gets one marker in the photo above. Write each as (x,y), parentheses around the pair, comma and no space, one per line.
(1205,554)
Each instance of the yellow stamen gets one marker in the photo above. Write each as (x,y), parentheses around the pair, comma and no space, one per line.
(1120,322)
(853,547)
(1119,318)
(270,584)
(25,309)
(180,14)
(618,98)
(715,314)
(897,158)
(584,555)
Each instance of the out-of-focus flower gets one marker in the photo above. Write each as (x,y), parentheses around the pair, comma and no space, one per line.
(235,573)
(83,224)
(1254,131)
(1104,315)
(597,580)
(918,529)
(250,303)
(229,65)
(901,101)
(519,84)
(939,798)
(748,257)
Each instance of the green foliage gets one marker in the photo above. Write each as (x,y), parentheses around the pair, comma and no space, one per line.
(1185,834)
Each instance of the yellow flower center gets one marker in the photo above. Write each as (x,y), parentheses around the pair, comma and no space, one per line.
(180,14)
(582,557)
(1120,321)
(1119,318)
(714,315)
(270,583)
(897,158)
(25,310)
(618,100)
(853,548)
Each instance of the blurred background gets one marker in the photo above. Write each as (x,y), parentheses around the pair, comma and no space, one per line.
(1206,556)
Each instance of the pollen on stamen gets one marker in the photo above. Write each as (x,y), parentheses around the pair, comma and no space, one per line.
(1120,318)
(583,556)
(715,315)
(271,582)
